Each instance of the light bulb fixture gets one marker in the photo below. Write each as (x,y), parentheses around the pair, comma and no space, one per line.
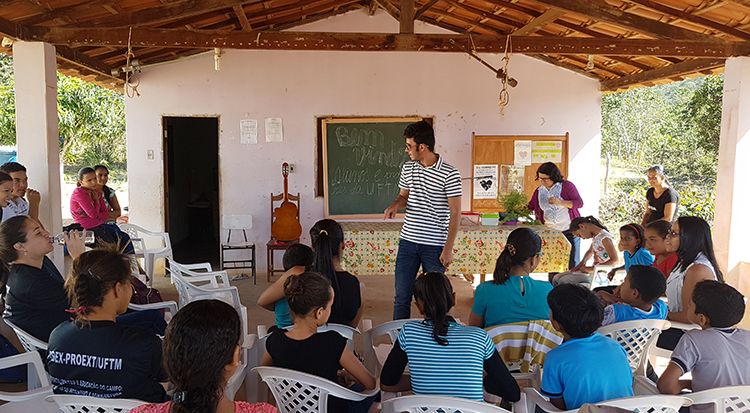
(217,58)
(7,42)
(590,64)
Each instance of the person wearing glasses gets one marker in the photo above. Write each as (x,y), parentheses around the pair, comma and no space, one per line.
(555,204)
(512,296)
(430,190)
(690,240)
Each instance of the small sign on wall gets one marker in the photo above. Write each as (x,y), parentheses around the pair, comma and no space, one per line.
(546,151)
(274,130)
(249,131)
(522,153)
(485,181)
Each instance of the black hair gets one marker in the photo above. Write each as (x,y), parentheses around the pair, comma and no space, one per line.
(327,236)
(659,169)
(12,231)
(522,244)
(661,227)
(695,238)
(93,274)
(83,171)
(307,292)
(721,303)
(585,220)
(434,290)
(10,167)
(649,281)
(199,342)
(298,255)
(549,168)
(422,133)
(638,231)
(4,177)
(578,310)
(105,189)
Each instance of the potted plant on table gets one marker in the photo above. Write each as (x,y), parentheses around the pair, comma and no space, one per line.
(515,207)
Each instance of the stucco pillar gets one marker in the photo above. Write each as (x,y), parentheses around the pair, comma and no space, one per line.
(37,137)
(732,221)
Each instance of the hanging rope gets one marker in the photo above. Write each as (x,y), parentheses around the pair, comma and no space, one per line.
(504,98)
(131,90)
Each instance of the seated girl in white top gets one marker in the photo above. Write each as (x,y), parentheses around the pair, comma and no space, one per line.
(690,239)
(602,249)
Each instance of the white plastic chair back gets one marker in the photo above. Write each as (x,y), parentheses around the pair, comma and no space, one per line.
(255,389)
(38,384)
(150,255)
(731,399)
(640,404)
(297,392)
(29,342)
(370,352)
(636,337)
(85,404)
(437,404)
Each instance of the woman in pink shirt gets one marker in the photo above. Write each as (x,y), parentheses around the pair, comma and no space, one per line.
(88,209)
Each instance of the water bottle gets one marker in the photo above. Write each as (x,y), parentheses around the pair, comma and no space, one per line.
(58,239)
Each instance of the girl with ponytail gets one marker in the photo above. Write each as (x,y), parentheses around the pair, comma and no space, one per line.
(602,249)
(201,352)
(310,297)
(512,296)
(328,244)
(94,354)
(444,357)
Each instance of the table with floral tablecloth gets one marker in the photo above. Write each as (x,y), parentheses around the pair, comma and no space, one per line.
(371,248)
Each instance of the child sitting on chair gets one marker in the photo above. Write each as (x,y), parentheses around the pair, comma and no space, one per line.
(587,367)
(718,354)
(298,258)
(637,298)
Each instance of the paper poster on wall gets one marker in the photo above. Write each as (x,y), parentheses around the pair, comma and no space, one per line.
(522,153)
(546,151)
(511,178)
(249,131)
(485,181)
(274,130)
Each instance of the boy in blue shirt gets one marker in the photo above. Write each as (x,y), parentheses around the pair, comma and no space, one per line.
(638,297)
(587,367)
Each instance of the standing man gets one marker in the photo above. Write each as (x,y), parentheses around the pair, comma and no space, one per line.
(18,205)
(430,190)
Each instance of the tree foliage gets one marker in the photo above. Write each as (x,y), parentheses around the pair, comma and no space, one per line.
(676,125)
(91,119)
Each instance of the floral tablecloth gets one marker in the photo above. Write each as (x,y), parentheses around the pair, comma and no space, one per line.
(371,248)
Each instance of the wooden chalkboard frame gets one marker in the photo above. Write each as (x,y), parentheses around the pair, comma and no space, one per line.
(483,153)
(324,131)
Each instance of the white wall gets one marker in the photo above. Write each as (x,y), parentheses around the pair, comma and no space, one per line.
(459,92)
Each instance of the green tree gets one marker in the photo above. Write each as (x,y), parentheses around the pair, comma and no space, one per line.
(91,118)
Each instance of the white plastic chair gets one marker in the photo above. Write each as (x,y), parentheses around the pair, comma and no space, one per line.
(38,384)
(637,338)
(29,342)
(375,355)
(293,389)
(731,399)
(254,348)
(640,404)
(188,291)
(170,306)
(69,403)
(655,352)
(149,255)
(345,331)
(437,404)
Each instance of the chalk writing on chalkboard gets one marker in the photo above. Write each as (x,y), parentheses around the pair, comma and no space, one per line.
(363,163)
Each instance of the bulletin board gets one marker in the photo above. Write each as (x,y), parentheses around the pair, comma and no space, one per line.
(492,150)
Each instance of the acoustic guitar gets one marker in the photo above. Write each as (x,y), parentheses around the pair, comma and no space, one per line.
(286,227)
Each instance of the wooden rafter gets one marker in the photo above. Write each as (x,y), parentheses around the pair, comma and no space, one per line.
(683,68)
(301,15)
(482,14)
(539,22)
(465,20)
(612,15)
(701,21)
(178,38)
(242,17)
(64,11)
(162,13)
(406,22)
(422,9)
(373,7)
(310,19)
(390,8)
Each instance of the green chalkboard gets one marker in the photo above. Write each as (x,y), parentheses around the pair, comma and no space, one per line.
(362,160)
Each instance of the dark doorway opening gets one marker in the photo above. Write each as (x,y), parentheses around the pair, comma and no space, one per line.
(191,166)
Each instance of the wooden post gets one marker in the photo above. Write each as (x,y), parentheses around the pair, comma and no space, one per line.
(406,25)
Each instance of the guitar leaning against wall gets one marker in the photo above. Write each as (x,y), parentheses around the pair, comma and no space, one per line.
(286,227)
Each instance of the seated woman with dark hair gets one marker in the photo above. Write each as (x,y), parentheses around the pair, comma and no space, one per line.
(512,295)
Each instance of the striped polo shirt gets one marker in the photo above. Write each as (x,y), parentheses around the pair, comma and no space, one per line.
(453,370)
(427,210)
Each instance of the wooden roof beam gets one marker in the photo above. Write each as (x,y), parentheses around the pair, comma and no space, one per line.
(689,17)
(390,8)
(240,13)
(678,69)
(539,22)
(406,23)
(310,19)
(420,12)
(179,38)
(482,14)
(617,17)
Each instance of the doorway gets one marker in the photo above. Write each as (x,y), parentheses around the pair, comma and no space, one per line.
(191,173)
